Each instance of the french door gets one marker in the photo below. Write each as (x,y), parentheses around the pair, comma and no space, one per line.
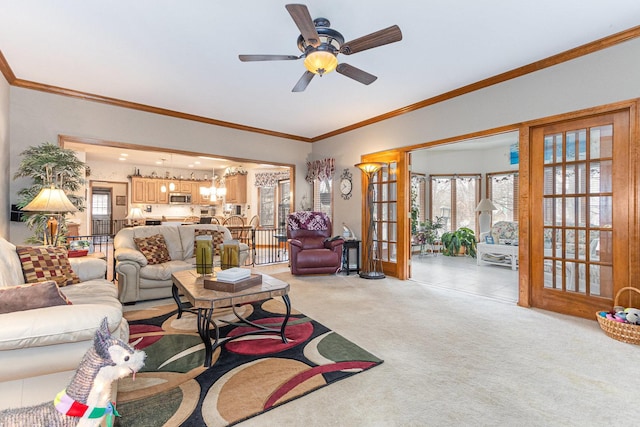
(580,193)
(391,239)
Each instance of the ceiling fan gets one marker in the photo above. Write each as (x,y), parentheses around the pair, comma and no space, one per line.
(320,46)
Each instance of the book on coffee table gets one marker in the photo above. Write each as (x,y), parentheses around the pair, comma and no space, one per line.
(240,285)
(232,275)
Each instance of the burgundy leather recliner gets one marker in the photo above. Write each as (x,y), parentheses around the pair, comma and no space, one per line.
(311,251)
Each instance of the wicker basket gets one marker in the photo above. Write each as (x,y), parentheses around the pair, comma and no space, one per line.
(625,332)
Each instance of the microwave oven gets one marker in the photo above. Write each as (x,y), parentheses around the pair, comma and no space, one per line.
(179,199)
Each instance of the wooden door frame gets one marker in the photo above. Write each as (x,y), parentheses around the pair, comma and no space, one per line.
(524,201)
(403,179)
(526,184)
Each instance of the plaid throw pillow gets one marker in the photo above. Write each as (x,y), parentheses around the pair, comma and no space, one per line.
(154,248)
(30,296)
(217,236)
(42,263)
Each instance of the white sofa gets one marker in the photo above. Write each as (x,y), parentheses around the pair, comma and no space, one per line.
(139,281)
(41,348)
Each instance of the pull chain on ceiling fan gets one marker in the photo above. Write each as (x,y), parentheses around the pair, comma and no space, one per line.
(320,46)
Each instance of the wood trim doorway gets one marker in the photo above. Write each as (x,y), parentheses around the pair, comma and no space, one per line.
(579,197)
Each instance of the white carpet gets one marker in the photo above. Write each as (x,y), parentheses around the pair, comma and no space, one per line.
(452,358)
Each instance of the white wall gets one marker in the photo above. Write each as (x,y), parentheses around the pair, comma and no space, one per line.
(4,158)
(603,77)
(600,78)
(428,162)
(37,117)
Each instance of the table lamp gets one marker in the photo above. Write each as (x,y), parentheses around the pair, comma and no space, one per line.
(372,266)
(135,216)
(51,201)
(485,207)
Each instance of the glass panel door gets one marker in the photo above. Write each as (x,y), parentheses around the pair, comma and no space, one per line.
(584,204)
(391,196)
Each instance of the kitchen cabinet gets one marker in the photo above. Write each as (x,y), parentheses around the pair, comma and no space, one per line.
(193,188)
(185,187)
(147,190)
(163,197)
(144,190)
(236,186)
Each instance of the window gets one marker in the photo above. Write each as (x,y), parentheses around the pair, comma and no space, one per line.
(274,204)
(418,202)
(266,211)
(502,189)
(454,199)
(322,197)
(100,204)
(320,174)
(284,202)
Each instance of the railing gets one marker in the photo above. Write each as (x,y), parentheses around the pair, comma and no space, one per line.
(266,245)
(98,244)
(107,227)
(270,246)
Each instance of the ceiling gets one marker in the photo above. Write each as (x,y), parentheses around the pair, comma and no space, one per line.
(183,56)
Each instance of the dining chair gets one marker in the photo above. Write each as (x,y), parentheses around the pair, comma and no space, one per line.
(235,224)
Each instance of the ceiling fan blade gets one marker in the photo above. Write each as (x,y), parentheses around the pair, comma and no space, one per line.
(356,74)
(249,58)
(379,38)
(303,82)
(302,18)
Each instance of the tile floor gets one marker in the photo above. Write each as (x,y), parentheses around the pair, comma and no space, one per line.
(464,275)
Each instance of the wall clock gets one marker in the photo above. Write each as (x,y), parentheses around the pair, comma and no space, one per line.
(346,185)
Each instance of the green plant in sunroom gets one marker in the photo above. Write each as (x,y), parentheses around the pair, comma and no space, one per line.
(453,241)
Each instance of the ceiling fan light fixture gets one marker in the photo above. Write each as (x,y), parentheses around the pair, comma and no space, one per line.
(321,62)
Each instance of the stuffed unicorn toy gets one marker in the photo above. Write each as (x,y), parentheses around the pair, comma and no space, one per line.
(85,401)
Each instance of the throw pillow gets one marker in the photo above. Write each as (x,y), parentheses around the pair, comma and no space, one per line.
(154,248)
(217,236)
(42,263)
(30,296)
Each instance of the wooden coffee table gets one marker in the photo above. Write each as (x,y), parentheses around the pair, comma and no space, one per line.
(205,301)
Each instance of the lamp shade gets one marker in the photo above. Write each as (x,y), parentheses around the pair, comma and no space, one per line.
(370,168)
(51,200)
(135,213)
(486,205)
(321,62)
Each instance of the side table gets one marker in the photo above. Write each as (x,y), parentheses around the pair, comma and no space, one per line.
(346,249)
(509,251)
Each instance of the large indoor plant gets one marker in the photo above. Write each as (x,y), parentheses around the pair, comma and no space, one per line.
(48,164)
(453,241)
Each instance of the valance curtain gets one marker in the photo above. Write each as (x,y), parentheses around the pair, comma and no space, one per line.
(270,179)
(467,177)
(320,170)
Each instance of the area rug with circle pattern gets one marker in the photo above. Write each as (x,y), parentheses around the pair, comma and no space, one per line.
(247,376)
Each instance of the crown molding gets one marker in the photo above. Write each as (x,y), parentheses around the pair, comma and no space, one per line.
(6,70)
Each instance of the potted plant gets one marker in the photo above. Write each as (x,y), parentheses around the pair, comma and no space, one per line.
(48,164)
(454,241)
(428,230)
